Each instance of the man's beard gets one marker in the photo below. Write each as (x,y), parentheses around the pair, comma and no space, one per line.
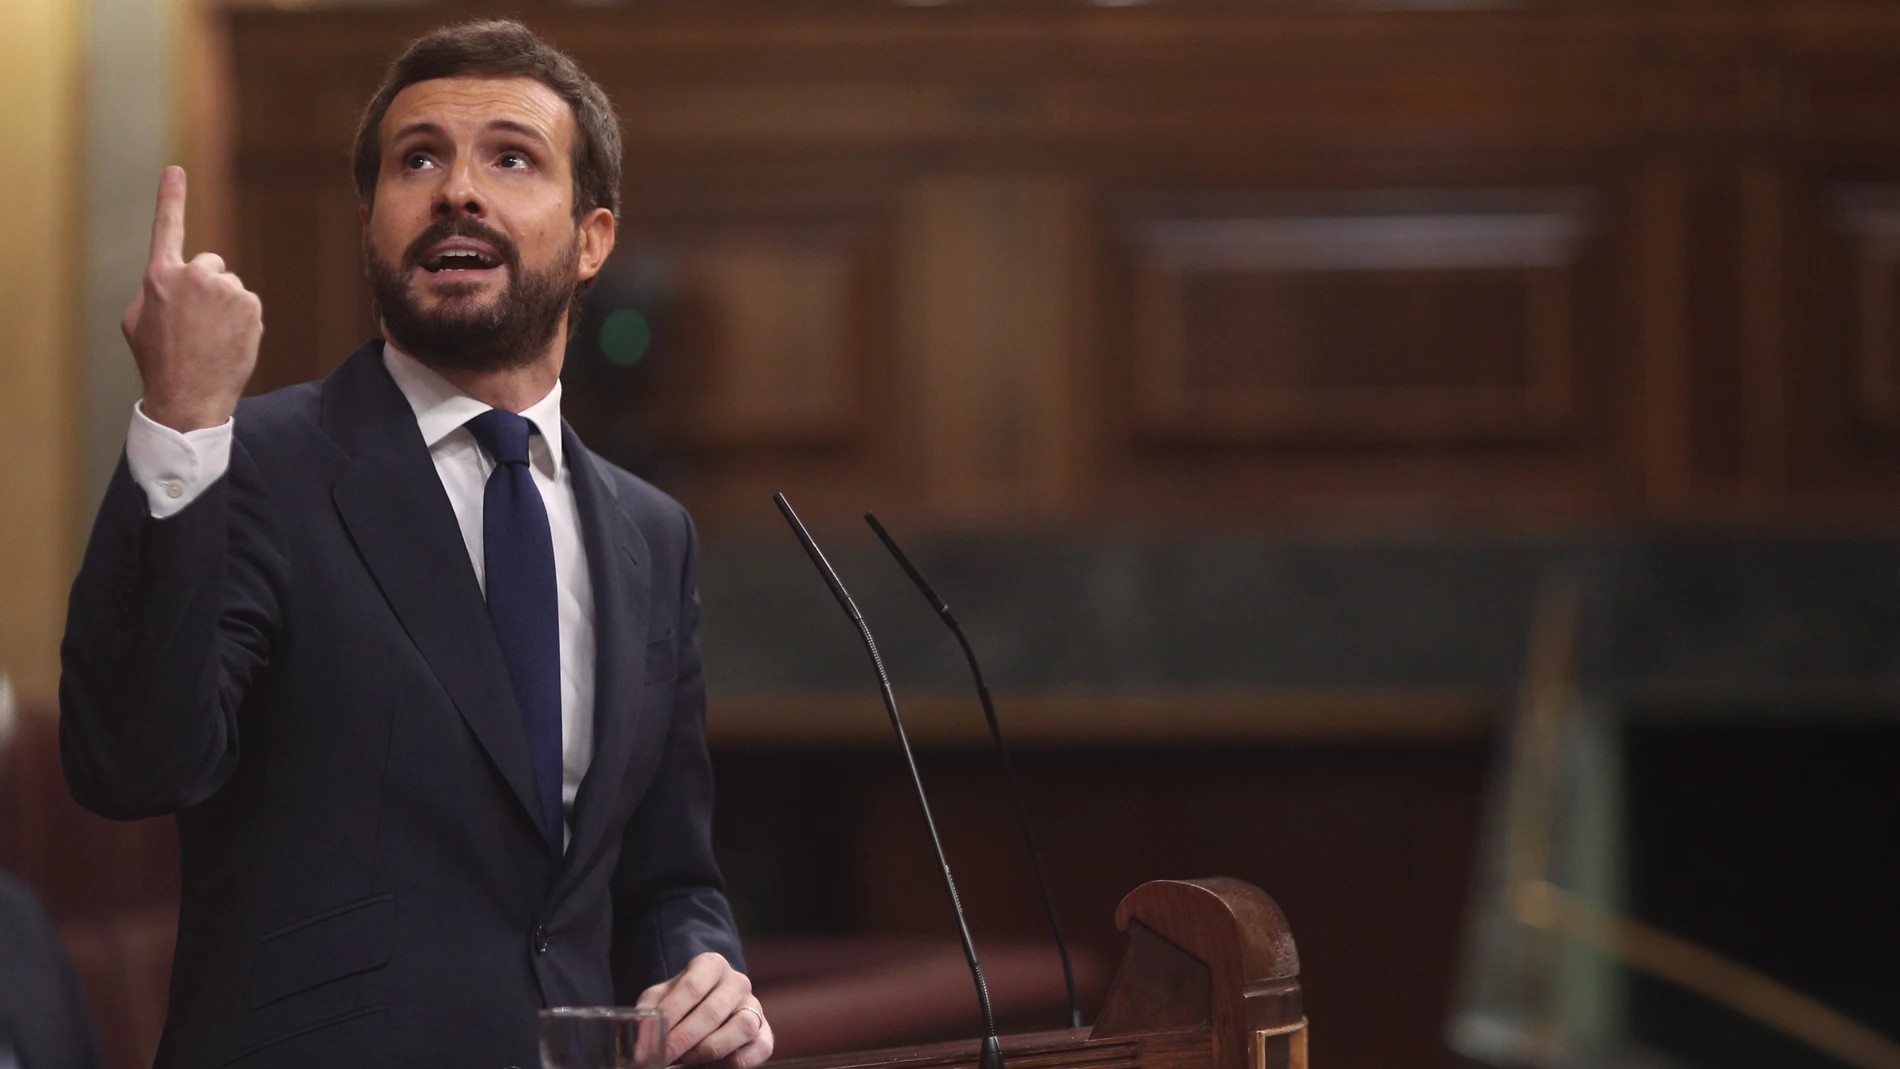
(510,331)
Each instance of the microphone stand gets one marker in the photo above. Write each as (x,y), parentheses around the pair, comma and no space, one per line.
(1002,756)
(992,1051)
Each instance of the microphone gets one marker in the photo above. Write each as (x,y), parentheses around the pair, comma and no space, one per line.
(992,1051)
(1002,755)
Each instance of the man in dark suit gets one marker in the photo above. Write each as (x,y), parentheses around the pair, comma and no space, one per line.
(418,673)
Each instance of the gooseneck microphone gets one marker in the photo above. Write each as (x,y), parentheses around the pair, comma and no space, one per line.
(1002,756)
(992,1051)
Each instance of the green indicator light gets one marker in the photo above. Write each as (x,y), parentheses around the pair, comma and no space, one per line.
(625,337)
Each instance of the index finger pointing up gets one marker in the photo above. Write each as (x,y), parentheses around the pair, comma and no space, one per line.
(168,226)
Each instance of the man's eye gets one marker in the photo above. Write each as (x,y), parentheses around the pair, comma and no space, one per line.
(416,161)
(514,160)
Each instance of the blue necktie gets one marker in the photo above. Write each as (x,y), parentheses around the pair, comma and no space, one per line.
(518,558)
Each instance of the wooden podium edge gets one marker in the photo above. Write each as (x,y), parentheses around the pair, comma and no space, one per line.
(1209,980)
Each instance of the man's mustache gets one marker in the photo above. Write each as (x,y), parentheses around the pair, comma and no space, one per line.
(460,226)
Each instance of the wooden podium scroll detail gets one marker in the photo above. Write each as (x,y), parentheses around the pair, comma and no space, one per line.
(1215,954)
(1209,980)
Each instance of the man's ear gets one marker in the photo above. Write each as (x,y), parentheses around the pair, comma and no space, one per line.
(597,242)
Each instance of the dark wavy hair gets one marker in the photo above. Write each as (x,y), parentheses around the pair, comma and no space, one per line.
(501,48)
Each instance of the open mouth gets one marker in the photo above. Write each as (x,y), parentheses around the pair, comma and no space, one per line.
(449,260)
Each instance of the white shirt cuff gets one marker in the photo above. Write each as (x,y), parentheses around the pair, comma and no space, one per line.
(173,468)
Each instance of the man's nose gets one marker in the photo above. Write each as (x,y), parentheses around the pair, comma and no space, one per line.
(460,193)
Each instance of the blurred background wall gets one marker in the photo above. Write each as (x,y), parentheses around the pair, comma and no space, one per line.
(1240,370)
(42,89)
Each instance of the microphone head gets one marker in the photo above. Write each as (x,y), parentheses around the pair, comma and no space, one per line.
(817,557)
(917,577)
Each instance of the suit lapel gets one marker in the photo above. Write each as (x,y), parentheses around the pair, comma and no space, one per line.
(618,562)
(397,513)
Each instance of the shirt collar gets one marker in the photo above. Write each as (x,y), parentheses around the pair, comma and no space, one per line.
(441,407)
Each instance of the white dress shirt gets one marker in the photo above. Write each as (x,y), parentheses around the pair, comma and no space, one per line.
(173,469)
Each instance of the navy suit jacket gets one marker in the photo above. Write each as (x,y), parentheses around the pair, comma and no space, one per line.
(300,665)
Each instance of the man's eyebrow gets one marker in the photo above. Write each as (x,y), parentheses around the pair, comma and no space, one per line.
(417,128)
(522,128)
(512,126)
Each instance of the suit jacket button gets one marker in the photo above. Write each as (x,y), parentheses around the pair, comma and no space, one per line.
(540,939)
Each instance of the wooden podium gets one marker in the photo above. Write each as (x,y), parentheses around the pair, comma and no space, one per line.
(1210,979)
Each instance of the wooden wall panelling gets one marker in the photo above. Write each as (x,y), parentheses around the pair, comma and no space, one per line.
(770,344)
(1763,296)
(1732,340)
(1708,246)
(989,135)
(299,249)
(1782,354)
(1687,127)
(1839,85)
(1656,284)
(772,335)
(1714,404)
(1868,218)
(275,256)
(1720,98)
(1323,347)
(341,298)
(1843,239)
(1340,326)
(990,274)
(294,224)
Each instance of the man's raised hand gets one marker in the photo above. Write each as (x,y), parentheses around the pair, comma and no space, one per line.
(193,327)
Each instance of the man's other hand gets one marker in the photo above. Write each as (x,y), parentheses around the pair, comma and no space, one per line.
(714,1017)
(193,328)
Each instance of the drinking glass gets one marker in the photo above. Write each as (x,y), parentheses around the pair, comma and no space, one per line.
(603,1037)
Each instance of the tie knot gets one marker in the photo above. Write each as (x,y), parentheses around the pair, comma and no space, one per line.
(504,434)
